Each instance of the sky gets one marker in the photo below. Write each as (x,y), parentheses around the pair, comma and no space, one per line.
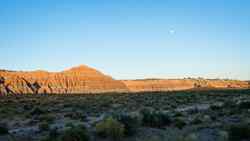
(128,39)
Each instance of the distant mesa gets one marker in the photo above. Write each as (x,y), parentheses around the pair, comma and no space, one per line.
(183,84)
(83,79)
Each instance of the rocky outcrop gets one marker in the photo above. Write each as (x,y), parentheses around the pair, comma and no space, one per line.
(182,84)
(81,79)
(158,85)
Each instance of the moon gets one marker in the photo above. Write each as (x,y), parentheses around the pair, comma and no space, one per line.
(172,31)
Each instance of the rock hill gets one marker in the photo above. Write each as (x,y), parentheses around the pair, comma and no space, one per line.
(83,79)
(183,84)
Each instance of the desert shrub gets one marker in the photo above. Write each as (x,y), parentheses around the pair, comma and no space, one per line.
(27,107)
(194,111)
(215,107)
(239,132)
(75,115)
(44,126)
(223,136)
(229,104)
(213,117)
(106,102)
(37,111)
(156,119)
(3,129)
(7,112)
(179,123)
(78,133)
(47,118)
(153,138)
(174,137)
(190,137)
(178,114)
(52,136)
(69,124)
(54,133)
(48,138)
(197,85)
(130,123)
(110,128)
(244,105)
(197,120)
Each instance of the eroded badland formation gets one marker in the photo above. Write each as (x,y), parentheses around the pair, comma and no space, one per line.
(80,79)
(83,79)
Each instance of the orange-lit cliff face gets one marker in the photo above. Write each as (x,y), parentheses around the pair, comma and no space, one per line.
(83,79)
(80,79)
(182,84)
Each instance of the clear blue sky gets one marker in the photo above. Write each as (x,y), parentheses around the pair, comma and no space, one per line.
(128,39)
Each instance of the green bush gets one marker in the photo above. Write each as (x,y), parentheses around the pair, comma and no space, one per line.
(75,115)
(44,126)
(179,123)
(110,128)
(197,120)
(190,137)
(153,138)
(156,119)
(223,136)
(229,104)
(239,132)
(47,118)
(75,134)
(78,133)
(215,107)
(244,105)
(53,135)
(3,129)
(130,123)
(37,111)
(48,138)
(69,124)
(178,114)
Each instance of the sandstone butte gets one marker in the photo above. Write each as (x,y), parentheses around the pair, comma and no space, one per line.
(83,79)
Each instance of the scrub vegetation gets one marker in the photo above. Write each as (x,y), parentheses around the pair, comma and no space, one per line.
(194,115)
